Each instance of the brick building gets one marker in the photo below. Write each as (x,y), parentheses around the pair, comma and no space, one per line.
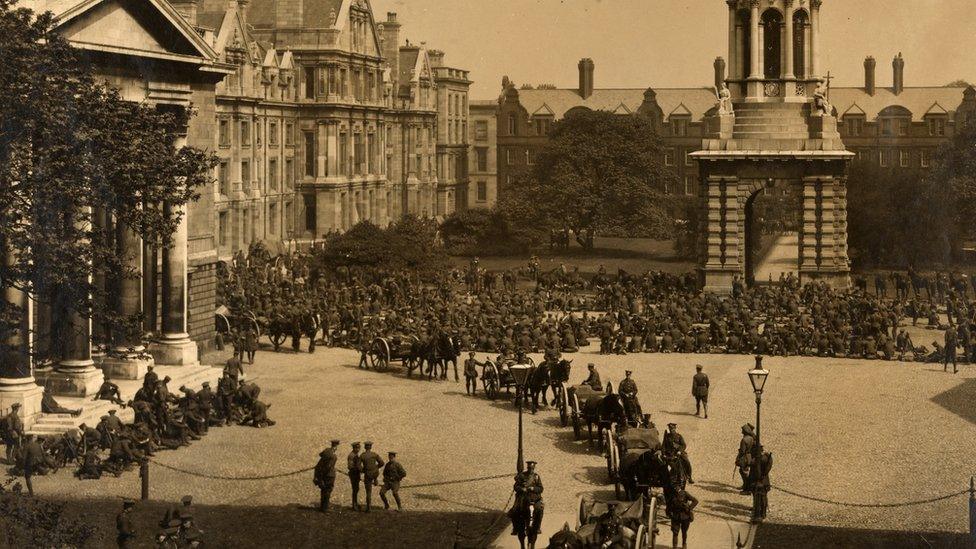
(483,165)
(897,127)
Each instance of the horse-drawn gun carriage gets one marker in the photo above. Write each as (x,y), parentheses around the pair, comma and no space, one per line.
(383,351)
(623,452)
(611,525)
(227,321)
(496,375)
(584,405)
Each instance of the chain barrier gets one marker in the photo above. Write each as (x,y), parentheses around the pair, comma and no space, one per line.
(873,505)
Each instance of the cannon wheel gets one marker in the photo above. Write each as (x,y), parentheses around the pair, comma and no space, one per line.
(582,514)
(563,406)
(490,380)
(640,540)
(379,357)
(221,323)
(577,420)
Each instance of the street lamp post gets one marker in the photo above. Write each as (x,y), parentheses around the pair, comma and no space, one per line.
(757,376)
(520,374)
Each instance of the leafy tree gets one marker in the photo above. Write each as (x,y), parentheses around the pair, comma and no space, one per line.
(958,84)
(487,232)
(598,173)
(409,243)
(71,148)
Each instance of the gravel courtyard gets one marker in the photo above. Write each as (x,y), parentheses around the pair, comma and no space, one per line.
(846,430)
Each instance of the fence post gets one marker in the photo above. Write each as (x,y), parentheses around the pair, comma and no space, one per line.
(972,508)
(144,477)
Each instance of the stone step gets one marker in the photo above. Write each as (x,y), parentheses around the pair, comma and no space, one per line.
(771,107)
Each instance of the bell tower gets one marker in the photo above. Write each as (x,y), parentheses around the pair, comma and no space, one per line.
(773,128)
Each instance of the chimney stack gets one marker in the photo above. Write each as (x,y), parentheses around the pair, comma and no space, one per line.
(586,78)
(390,43)
(899,74)
(719,73)
(869,65)
(188,9)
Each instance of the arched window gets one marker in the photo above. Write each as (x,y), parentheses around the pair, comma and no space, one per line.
(743,40)
(772,23)
(800,23)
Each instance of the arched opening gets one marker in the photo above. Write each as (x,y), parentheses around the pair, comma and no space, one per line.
(744,43)
(800,24)
(772,24)
(772,226)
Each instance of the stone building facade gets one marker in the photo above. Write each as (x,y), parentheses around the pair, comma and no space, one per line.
(482,189)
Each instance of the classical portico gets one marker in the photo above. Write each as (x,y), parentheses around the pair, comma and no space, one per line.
(780,131)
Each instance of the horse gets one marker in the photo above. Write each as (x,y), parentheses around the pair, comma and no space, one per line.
(526,521)
(566,539)
(539,381)
(558,375)
(604,411)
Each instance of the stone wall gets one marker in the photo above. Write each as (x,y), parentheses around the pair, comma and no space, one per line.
(202,302)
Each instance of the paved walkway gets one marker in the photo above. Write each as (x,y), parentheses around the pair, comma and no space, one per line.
(781,258)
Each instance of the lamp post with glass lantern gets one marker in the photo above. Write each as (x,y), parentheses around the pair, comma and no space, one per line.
(757,376)
(520,374)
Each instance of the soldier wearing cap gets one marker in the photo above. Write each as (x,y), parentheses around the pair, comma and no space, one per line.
(123,524)
(393,473)
(674,445)
(593,380)
(528,491)
(612,531)
(699,390)
(471,374)
(743,460)
(12,430)
(355,467)
(628,393)
(325,474)
(371,466)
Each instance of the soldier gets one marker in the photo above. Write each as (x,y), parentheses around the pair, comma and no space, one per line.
(393,473)
(528,491)
(325,474)
(471,374)
(34,461)
(233,368)
(628,392)
(760,492)
(123,524)
(674,445)
(110,391)
(699,390)
(743,460)
(593,380)
(355,468)
(250,343)
(951,341)
(13,431)
(149,381)
(681,516)
(371,464)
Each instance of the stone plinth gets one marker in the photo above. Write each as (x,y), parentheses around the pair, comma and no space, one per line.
(823,127)
(720,126)
(81,379)
(175,352)
(126,365)
(24,391)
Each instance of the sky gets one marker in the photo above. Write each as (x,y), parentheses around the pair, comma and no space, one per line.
(673,43)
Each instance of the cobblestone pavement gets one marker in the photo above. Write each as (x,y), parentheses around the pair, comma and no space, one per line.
(847,430)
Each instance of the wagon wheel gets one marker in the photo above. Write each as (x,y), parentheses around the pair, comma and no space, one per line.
(640,540)
(253,321)
(277,339)
(610,451)
(582,514)
(490,380)
(577,420)
(221,324)
(380,357)
(563,406)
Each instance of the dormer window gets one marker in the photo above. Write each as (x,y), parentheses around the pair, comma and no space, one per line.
(679,126)
(937,126)
(855,125)
(895,121)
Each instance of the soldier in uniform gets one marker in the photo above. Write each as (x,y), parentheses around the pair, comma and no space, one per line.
(325,475)
(250,344)
(699,389)
(760,492)
(13,431)
(371,464)
(233,368)
(628,392)
(471,374)
(951,341)
(355,467)
(682,516)
(593,380)
(743,460)
(674,445)
(528,490)
(34,461)
(123,524)
(393,473)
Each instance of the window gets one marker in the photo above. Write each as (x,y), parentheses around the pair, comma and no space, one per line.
(224,133)
(343,153)
(272,133)
(289,134)
(937,126)
(245,174)
(904,158)
(310,221)
(512,126)
(669,157)
(689,161)
(883,158)
(510,157)
(359,154)
(257,132)
(333,82)
(273,219)
(862,155)
(273,174)
(222,228)
(482,191)
(289,174)
(480,130)
(245,132)
(482,153)
(679,127)
(689,184)
(309,82)
(903,125)
(855,125)
(322,86)
(925,159)
(223,178)
(886,126)
(310,153)
(343,91)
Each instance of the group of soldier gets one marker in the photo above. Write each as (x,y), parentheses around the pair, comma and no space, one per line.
(364,469)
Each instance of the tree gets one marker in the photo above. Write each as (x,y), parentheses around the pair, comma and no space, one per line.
(953,177)
(958,84)
(599,173)
(409,243)
(71,150)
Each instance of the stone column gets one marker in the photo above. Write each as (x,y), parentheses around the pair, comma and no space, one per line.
(174,347)
(733,66)
(739,69)
(754,67)
(321,145)
(332,147)
(127,360)
(788,41)
(75,374)
(815,38)
(17,384)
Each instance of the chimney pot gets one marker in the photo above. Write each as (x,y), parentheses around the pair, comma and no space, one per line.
(869,73)
(586,78)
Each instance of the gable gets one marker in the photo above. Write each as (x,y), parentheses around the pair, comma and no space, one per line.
(129,26)
(680,110)
(854,110)
(936,108)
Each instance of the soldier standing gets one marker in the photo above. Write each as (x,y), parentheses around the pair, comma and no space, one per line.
(34,459)
(123,524)
(699,389)
(743,460)
(371,464)
(325,474)
(760,491)
(471,374)
(355,467)
(682,516)
(250,344)
(13,431)
(393,473)
(951,341)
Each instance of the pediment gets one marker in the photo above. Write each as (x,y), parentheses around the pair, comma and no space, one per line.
(680,110)
(544,110)
(936,108)
(854,110)
(622,109)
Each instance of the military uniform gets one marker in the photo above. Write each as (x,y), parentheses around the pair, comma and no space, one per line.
(393,473)
(471,375)
(528,491)
(325,475)
(674,444)
(355,467)
(699,389)
(593,380)
(743,460)
(682,516)
(13,431)
(371,464)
